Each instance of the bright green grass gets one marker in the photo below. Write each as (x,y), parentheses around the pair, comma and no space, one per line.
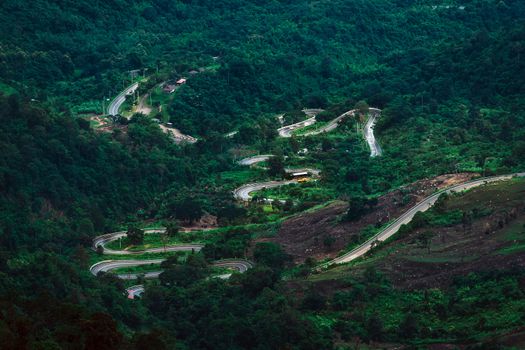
(160,98)
(241,177)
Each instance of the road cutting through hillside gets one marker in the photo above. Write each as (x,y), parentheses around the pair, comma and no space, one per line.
(368,131)
(114,106)
(243,193)
(405,218)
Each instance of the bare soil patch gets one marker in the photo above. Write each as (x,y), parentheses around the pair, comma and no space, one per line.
(493,241)
(306,235)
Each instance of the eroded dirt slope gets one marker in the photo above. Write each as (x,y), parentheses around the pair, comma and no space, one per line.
(307,235)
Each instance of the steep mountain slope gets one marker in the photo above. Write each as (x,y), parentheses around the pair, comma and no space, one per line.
(448,76)
(455,274)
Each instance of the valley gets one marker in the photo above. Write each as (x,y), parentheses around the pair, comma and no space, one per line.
(335,175)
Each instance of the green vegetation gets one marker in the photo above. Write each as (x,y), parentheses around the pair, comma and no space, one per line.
(309,128)
(449,80)
(474,308)
(306,192)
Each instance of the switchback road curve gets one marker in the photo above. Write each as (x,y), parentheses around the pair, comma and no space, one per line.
(103,240)
(243,193)
(422,206)
(368,132)
(375,149)
(289,170)
(287,131)
(174,133)
(240,265)
(114,106)
(255,159)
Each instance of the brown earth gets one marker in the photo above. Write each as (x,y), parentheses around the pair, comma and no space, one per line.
(481,244)
(463,248)
(303,236)
(206,222)
(104,124)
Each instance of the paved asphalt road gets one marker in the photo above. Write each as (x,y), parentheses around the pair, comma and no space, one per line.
(243,193)
(424,205)
(255,159)
(108,265)
(114,106)
(135,291)
(264,157)
(103,240)
(287,131)
(375,149)
(240,265)
(333,124)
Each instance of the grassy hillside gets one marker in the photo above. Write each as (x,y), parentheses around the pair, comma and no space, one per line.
(453,275)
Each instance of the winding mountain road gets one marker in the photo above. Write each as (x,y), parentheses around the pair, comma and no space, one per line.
(174,133)
(331,125)
(289,170)
(368,133)
(106,266)
(422,206)
(287,131)
(255,159)
(135,291)
(240,265)
(375,149)
(103,240)
(243,193)
(114,106)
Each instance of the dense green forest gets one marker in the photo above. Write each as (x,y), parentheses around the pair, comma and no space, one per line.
(448,76)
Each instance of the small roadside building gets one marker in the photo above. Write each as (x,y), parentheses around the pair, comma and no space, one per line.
(181,81)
